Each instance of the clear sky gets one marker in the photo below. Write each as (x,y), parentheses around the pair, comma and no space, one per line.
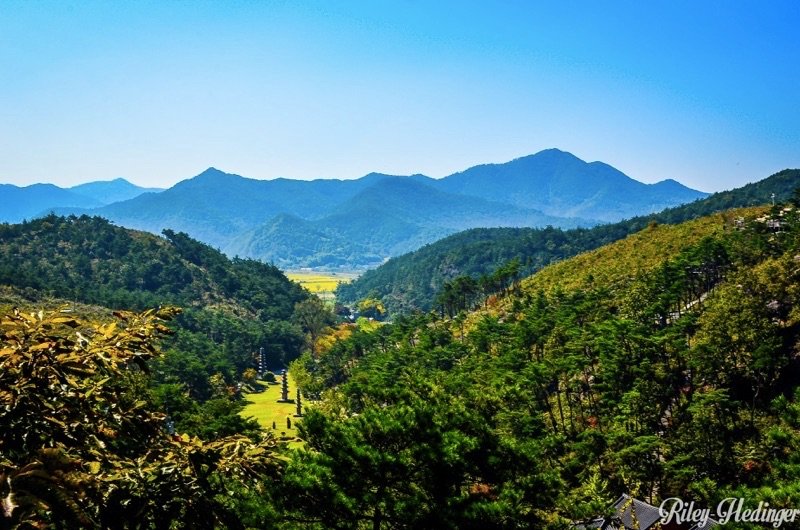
(707,93)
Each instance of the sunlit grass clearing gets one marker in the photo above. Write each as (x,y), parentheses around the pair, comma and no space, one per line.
(265,409)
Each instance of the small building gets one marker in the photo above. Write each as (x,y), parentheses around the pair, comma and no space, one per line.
(774,224)
(633,514)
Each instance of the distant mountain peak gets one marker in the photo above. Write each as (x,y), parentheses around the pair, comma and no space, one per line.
(213,176)
(551,153)
(554,151)
(377,175)
(668,182)
(40,186)
(212,171)
(111,191)
(561,184)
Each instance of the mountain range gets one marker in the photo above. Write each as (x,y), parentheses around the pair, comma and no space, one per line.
(412,281)
(559,183)
(362,222)
(19,203)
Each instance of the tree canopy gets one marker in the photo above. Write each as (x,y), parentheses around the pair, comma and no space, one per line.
(82,445)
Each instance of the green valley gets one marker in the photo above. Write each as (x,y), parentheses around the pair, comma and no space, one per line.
(661,364)
(399,265)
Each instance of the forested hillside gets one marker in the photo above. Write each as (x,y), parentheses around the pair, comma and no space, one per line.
(94,261)
(662,365)
(231,308)
(120,419)
(412,281)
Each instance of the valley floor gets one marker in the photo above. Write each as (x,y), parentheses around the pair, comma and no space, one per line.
(323,284)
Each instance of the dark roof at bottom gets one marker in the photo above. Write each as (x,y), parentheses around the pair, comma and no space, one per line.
(636,514)
(633,514)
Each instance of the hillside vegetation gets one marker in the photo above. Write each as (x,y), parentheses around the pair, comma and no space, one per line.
(663,365)
(94,261)
(412,281)
(613,264)
(231,308)
(85,446)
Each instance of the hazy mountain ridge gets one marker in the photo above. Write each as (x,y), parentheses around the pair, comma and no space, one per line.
(18,203)
(111,191)
(411,281)
(393,216)
(218,208)
(361,222)
(559,183)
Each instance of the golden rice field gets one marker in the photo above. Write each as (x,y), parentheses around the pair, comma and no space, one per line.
(323,284)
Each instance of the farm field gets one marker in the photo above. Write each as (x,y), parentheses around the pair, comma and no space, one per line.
(323,284)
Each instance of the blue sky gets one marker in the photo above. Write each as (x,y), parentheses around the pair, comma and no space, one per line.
(707,93)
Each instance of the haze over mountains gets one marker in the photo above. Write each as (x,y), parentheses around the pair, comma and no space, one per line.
(18,203)
(110,191)
(361,222)
(412,281)
(562,184)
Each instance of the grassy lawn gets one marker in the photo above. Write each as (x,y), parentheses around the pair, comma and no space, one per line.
(264,407)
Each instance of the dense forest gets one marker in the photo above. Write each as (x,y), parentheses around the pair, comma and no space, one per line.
(84,443)
(230,308)
(93,261)
(664,364)
(412,281)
